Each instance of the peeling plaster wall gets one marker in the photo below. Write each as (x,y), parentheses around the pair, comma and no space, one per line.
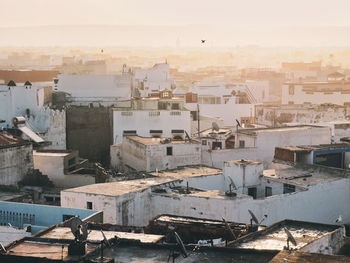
(312,205)
(154,157)
(137,208)
(15,162)
(280,116)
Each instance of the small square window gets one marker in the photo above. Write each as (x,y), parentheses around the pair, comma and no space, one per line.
(288,188)
(169,151)
(204,142)
(268,191)
(89,205)
(241,144)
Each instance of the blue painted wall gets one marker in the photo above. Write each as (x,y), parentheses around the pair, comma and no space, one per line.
(44,215)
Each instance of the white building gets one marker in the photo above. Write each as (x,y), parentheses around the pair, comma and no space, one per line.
(329,92)
(285,192)
(282,115)
(259,144)
(32,103)
(152,117)
(151,81)
(228,101)
(151,154)
(106,90)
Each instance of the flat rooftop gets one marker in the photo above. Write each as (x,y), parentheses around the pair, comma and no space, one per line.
(304,175)
(188,171)
(96,235)
(275,237)
(296,256)
(243,161)
(121,187)
(278,129)
(48,250)
(308,148)
(124,187)
(137,254)
(158,141)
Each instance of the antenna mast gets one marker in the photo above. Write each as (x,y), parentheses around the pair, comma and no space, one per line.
(199,123)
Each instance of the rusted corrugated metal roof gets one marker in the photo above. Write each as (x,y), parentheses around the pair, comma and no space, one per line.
(8,139)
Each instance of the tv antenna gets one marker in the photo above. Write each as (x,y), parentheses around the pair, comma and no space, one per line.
(290,238)
(231,186)
(173,254)
(254,219)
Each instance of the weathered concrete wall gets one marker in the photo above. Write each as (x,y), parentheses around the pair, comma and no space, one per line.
(107,204)
(311,205)
(279,116)
(183,154)
(154,157)
(15,162)
(137,208)
(89,130)
(54,168)
(266,143)
(134,155)
(56,133)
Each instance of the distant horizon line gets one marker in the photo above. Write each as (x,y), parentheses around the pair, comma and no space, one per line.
(177,25)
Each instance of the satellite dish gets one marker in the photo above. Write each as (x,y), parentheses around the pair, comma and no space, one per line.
(105,239)
(181,245)
(290,238)
(215,126)
(74,224)
(232,183)
(79,229)
(253,218)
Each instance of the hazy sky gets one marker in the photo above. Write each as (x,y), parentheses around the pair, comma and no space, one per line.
(175,12)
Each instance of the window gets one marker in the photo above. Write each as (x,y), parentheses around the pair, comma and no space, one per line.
(156,133)
(153,113)
(175,106)
(175,113)
(126,113)
(89,205)
(268,191)
(194,115)
(216,145)
(288,188)
(252,192)
(169,151)
(129,133)
(162,105)
(241,144)
(204,142)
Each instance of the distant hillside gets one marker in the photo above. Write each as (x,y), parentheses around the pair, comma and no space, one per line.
(99,35)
